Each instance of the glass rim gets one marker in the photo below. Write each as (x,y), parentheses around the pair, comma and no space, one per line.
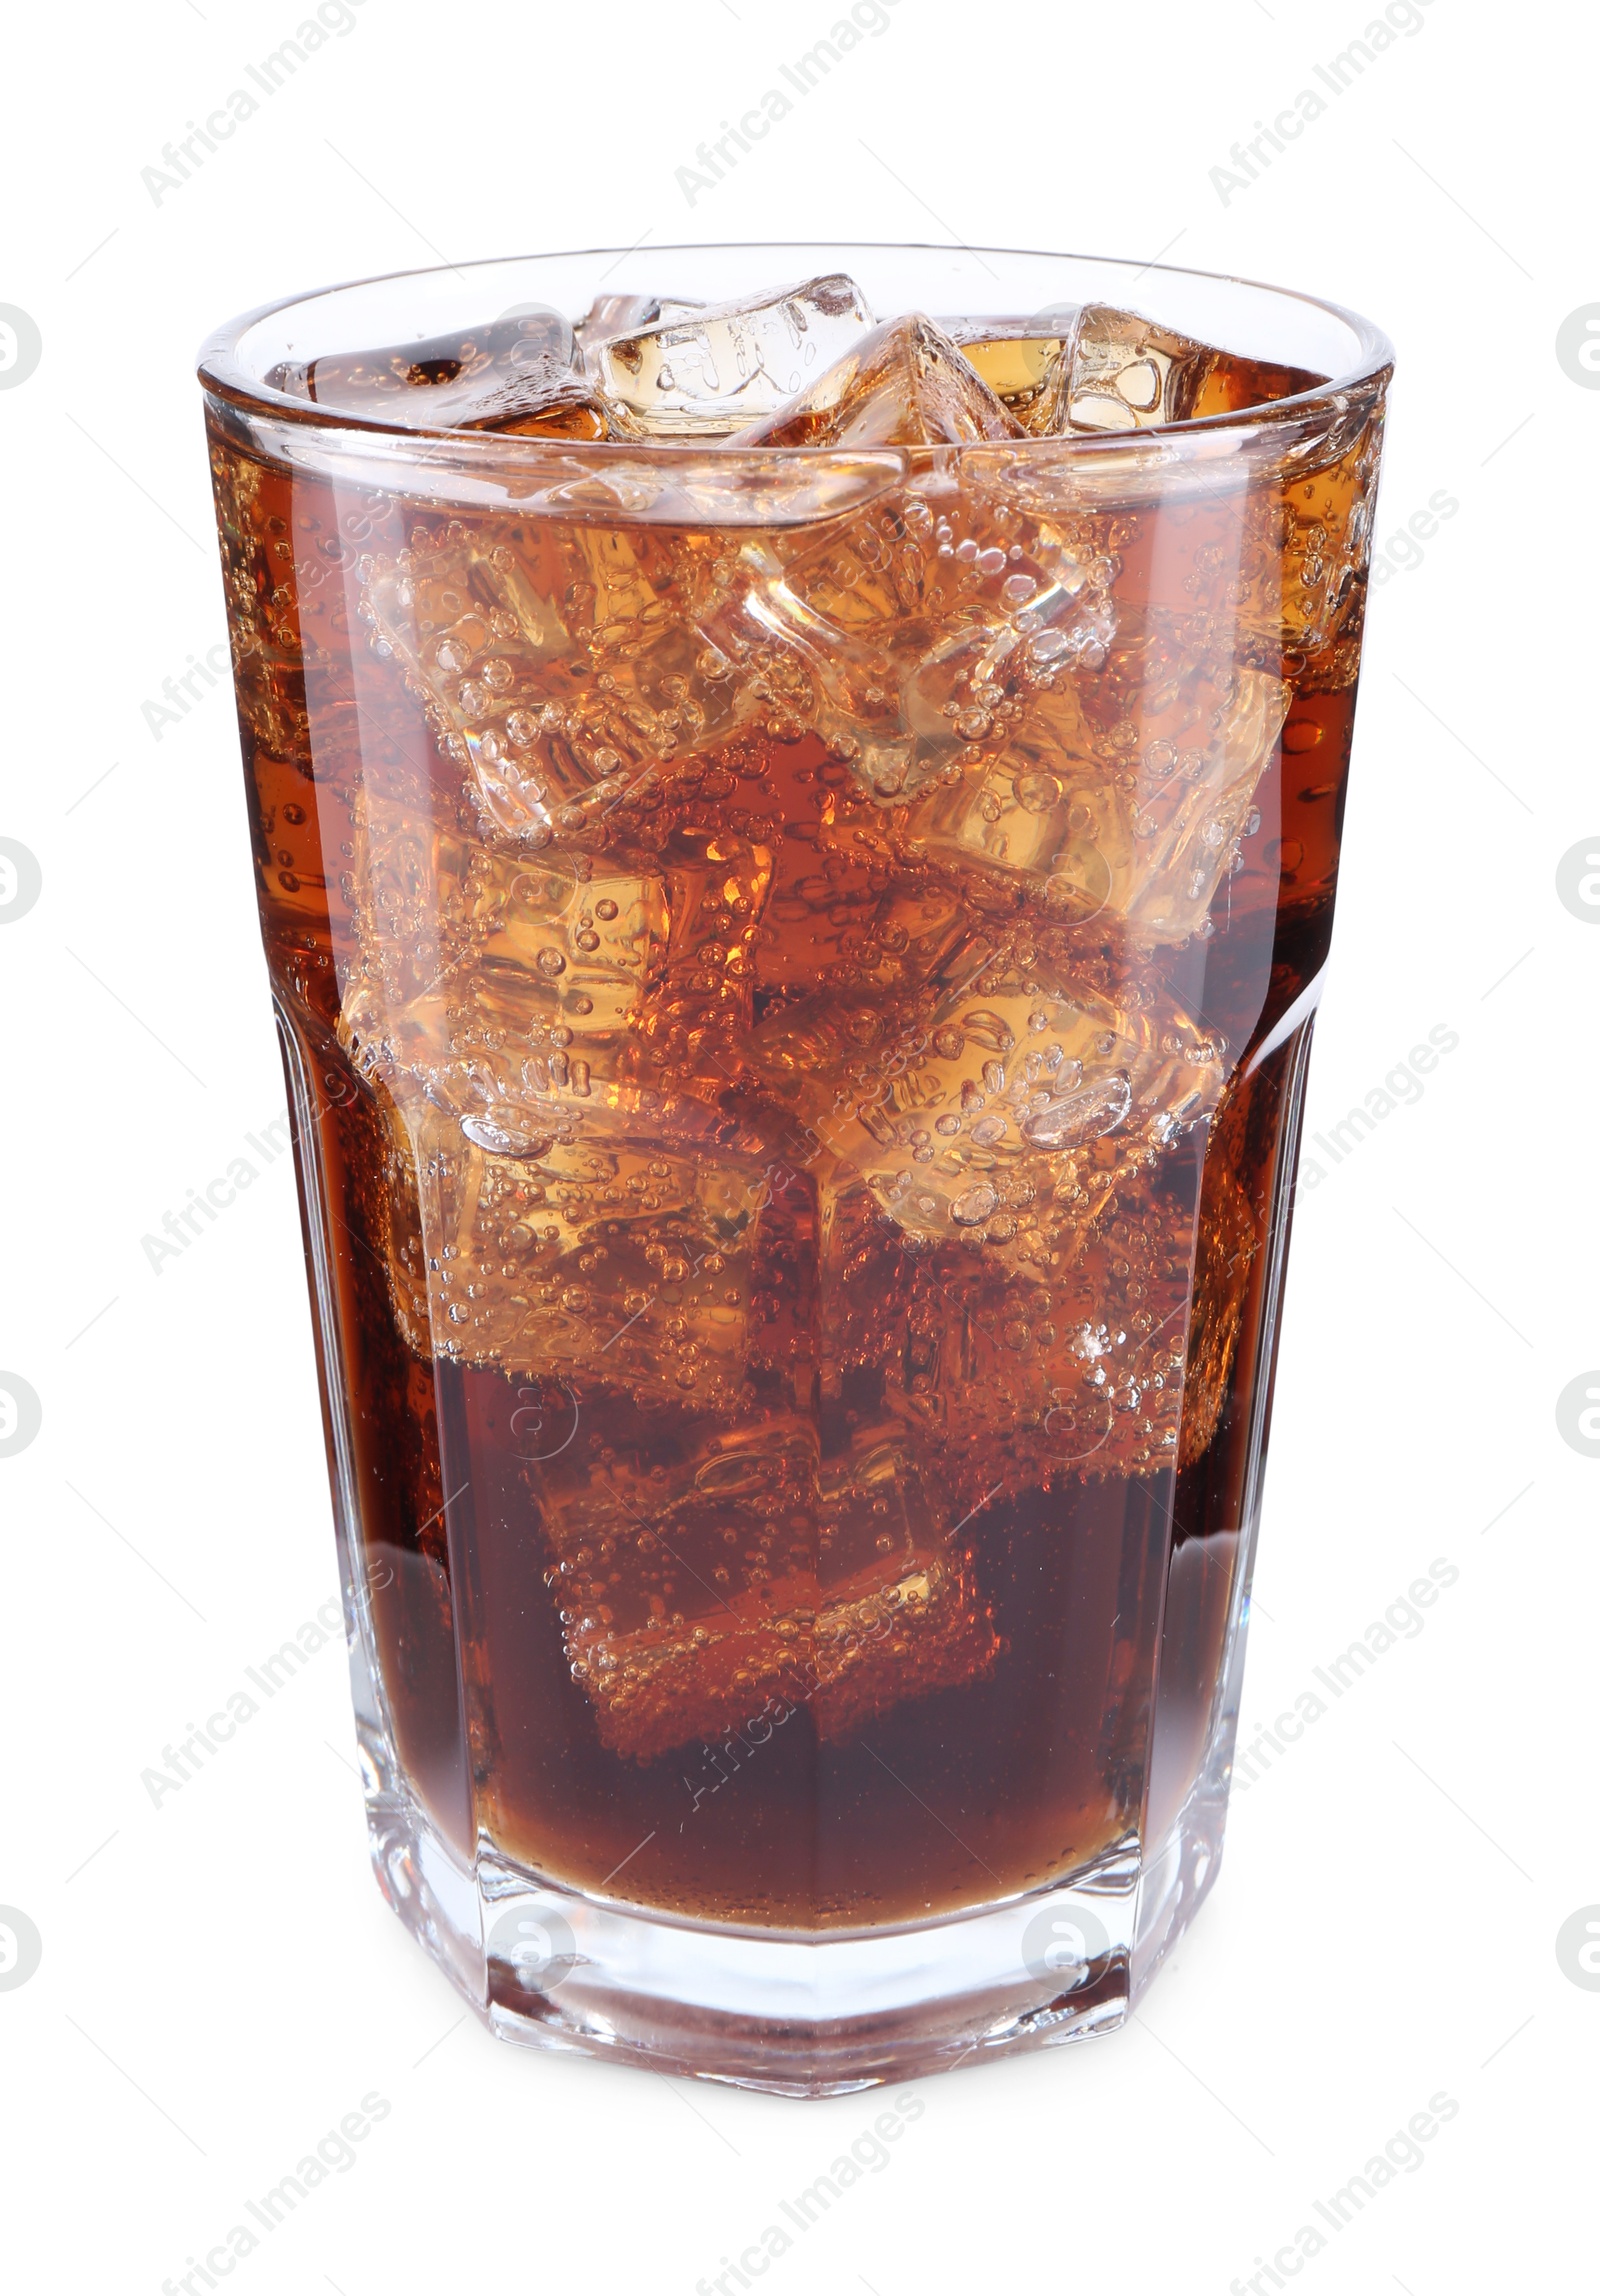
(223,372)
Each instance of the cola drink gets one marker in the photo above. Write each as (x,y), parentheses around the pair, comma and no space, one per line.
(796,851)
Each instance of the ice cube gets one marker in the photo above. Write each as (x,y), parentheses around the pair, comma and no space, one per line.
(999,1108)
(819,911)
(612,315)
(904,384)
(1122,791)
(710,371)
(516,374)
(917,924)
(609,316)
(920,618)
(1129,373)
(845,1661)
(551,665)
(1073,1366)
(1098,368)
(1076,367)
(495,983)
(1227,1244)
(382,1176)
(577,1258)
(713,1554)
(841,913)
(1010,1373)
(1305,554)
(736,1579)
(927,1629)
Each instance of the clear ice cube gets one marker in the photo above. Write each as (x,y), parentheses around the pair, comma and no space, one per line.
(497,984)
(915,623)
(579,1257)
(845,1661)
(1122,792)
(503,644)
(705,373)
(997,1109)
(1100,369)
(904,384)
(1129,373)
(611,315)
(516,374)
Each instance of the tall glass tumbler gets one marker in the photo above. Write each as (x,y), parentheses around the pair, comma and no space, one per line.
(796,968)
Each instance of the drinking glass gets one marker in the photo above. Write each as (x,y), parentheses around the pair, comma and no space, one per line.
(795,968)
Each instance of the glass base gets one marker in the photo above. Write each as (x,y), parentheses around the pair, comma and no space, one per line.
(793,2014)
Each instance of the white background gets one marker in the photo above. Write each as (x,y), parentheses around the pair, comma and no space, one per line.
(220,1981)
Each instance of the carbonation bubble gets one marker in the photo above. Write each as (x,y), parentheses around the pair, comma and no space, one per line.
(1079,1116)
(483,1132)
(973,1207)
(1037,792)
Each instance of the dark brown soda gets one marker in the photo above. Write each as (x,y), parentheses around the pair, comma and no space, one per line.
(1098,1582)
